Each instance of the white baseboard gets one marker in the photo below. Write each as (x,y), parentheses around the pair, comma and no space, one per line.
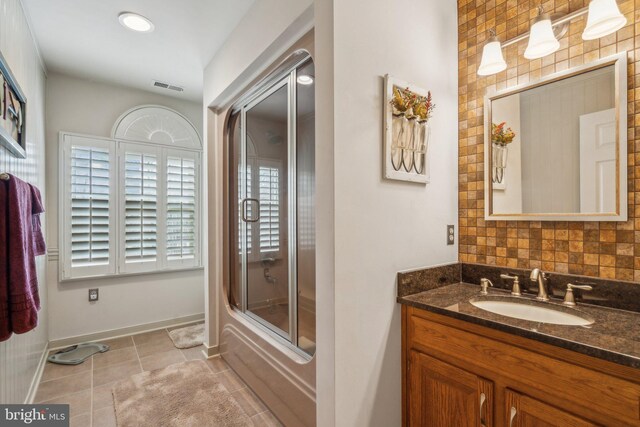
(35,381)
(213,351)
(122,332)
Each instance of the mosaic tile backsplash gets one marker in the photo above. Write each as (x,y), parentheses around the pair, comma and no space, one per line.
(599,249)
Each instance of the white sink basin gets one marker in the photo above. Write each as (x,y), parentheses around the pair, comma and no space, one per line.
(533,311)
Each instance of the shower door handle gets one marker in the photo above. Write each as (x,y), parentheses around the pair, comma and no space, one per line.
(245,218)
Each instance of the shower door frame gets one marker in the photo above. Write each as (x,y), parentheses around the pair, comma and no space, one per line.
(274,83)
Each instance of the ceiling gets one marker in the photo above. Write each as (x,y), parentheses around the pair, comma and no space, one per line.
(84,38)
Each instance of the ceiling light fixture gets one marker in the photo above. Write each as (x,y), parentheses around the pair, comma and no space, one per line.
(604,19)
(542,40)
(305,79)
(492,60)
(135,22)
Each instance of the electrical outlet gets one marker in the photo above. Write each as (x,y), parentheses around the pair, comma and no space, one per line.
(451,234)
(93,295)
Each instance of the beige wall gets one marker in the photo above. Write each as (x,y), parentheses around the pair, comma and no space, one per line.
(20,355)
(82,106)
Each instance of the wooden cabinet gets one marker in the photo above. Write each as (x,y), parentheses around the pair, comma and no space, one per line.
(443,395)
(524,411)
(458,374)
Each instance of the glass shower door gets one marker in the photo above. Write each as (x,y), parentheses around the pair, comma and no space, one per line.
(271,136)
(266,209)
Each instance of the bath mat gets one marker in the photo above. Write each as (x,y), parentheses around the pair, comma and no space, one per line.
(191,336)
(181,395)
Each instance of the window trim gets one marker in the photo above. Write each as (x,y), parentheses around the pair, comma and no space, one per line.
(117,267)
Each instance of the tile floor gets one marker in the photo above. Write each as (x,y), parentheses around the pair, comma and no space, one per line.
(87,387)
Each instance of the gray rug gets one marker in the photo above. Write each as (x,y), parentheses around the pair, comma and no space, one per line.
(191,336)
(182,395)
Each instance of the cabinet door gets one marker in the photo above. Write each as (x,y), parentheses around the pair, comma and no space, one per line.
(442,395)
(524,411)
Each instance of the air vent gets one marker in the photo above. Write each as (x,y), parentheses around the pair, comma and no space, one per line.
(167,86)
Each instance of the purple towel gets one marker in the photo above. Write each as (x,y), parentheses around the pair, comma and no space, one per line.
(20,241)
(39,246)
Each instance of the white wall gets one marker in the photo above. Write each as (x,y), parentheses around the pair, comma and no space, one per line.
(19,356)
(82,106)
(509,199)
(380,227)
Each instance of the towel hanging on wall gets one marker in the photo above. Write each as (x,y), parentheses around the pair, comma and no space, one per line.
(21,240)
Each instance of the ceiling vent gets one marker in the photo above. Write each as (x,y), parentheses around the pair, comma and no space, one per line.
(167,86)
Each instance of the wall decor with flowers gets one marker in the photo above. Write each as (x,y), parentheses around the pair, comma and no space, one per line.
(501,137)
(407,131)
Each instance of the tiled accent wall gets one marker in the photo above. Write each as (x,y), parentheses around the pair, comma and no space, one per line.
(600,249)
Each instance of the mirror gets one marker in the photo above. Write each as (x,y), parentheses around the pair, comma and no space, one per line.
(557,147)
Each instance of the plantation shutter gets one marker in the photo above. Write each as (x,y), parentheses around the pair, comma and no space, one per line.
(139,170)
(269,194)
(89,187)
(181,174)
(248,180)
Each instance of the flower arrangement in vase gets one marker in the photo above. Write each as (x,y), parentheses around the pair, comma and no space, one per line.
(501,137)
(410,132)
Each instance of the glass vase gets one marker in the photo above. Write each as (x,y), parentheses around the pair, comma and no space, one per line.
(398,126)
(409,144)
(499,154)
(422,133)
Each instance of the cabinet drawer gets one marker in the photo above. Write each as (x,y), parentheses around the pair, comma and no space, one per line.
(582,390)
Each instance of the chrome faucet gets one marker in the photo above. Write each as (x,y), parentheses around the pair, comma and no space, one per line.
(541,278)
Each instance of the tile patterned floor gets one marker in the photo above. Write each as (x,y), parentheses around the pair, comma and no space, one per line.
(87,387)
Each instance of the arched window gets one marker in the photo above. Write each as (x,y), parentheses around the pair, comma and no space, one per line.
(131,204)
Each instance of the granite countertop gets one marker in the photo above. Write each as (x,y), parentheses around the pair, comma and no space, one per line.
(614,336)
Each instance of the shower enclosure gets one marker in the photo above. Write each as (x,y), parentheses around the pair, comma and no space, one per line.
(271,152)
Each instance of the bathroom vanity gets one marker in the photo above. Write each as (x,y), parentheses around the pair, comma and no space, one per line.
(466,366)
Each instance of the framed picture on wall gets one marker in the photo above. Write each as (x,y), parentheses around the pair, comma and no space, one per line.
(13,113)
(407,110)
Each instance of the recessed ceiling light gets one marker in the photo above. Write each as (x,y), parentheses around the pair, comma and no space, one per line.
(135,22)
(304,79)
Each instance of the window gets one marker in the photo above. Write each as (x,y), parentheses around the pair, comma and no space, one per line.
(136,214)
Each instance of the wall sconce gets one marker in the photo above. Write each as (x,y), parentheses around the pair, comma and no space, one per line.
(542,40)
(492,59)
(604,18)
